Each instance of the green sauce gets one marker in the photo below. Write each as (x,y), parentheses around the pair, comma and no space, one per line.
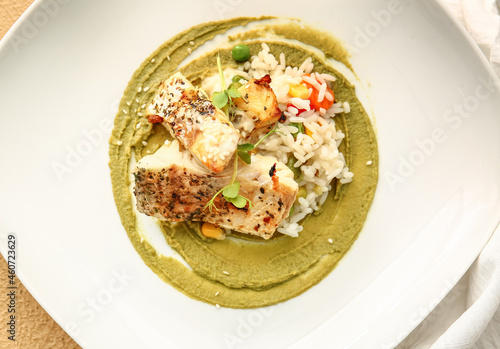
(236,272)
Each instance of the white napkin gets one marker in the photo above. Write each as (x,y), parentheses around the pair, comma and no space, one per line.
(469,316)
(482,21)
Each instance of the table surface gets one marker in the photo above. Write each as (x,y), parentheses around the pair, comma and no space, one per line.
(34,327)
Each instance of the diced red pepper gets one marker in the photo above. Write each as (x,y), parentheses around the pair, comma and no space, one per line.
(313,98)
(299,110)
(155,119)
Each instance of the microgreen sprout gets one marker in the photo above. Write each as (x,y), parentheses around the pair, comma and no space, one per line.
(224,99)
(244,149)
(231,192)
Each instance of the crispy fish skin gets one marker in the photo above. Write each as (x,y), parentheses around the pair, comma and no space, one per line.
(171,186)
(191,117)
(259,102)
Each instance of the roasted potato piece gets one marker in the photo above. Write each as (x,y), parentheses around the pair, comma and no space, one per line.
(259,103)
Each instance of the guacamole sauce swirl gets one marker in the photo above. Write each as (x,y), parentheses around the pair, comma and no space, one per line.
(240,272)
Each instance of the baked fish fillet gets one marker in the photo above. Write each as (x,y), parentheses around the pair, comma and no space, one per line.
(170,185)
(191,117)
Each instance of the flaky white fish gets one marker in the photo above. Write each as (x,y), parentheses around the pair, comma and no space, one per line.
(172,186)
(191,118)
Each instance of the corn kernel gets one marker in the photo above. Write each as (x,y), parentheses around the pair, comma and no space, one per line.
(299,91)
(318,190)
(308,132)
(212,231)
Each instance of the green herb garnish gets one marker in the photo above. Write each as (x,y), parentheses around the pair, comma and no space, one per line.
(224,99)
(244,148)
(231,192)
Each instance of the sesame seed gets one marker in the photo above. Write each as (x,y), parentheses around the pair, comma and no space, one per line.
(124,111)
(139,114)
(139,89)
(138,125)
(146,89)
(153,60)
(330,241)
(142,239)
(168,57)
(189,50)
(369,162)
(137,100)
(143,106)
(217,293)
(128,103)
(225,272)
(217,306)
(191,43)
(119,143)
(144,143)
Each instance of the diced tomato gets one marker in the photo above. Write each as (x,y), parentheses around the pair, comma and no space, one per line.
(155,119)
(313,98)
(291,105)
(265,80)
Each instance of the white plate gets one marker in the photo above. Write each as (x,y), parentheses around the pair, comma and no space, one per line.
(63,68)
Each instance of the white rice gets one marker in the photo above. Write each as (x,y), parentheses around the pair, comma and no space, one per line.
(347,107)
(313,82)
(322,92)
(305,64)
(300,103)
(328,77)
(317,155)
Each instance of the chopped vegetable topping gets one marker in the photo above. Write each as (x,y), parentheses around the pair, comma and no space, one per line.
(297,173)
(293,106)
(299,91)
(155,119)
(308,132)
(238,78)
(301,194)
(241,52)
(299,126)
(319,100)
(212,231)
